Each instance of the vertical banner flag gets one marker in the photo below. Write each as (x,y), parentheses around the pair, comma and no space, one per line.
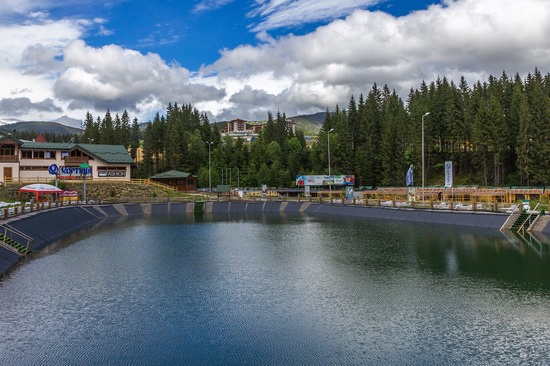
(410,176)
(448,174)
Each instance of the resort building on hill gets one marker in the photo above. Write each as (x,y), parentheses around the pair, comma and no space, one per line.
(239,128)
(32,160)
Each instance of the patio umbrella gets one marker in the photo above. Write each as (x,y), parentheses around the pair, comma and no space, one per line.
(39,189)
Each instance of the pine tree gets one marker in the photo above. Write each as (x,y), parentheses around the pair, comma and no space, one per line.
(393,143)
(134,139)
(539,108)
(525,149)
(107,131)
(125,130)
(89,133)
(269,132)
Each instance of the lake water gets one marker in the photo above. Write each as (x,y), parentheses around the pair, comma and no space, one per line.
(278,291)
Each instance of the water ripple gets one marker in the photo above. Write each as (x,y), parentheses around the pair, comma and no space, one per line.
(277,291)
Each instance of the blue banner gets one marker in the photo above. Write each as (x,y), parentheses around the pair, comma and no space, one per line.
(448,174)
(409,177)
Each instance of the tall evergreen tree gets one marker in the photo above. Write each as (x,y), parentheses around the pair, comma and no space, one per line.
(393,146)
(134,139)
(107,131)
(89,129)
(539,108)
(125,130)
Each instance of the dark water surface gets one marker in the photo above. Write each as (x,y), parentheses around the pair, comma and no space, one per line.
(278,291)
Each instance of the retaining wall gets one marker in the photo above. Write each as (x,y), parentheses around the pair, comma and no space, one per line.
(48,226)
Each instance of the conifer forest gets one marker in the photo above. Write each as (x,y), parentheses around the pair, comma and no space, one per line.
(496,132)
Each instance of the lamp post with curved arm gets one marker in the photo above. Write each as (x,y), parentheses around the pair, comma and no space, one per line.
(209,167)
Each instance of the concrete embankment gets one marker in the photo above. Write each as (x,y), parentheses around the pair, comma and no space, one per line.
(49,226)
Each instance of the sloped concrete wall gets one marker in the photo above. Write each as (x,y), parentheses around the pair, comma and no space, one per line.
(48,226)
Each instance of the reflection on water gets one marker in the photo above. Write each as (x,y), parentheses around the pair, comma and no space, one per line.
(279,290)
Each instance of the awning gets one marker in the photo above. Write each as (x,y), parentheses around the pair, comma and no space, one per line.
(39,189)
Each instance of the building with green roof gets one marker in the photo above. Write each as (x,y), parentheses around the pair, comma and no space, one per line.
(41,161)
(182,181)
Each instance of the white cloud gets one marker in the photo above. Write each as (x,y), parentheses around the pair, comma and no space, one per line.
(15,39)
(29,65)
(208,5)
(8,7)
(112,77)
(47,62)
(290,13)
(46,66)
(25,105)
(323,68)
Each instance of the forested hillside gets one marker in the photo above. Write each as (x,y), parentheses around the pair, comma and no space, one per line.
(52,131)
(496,132)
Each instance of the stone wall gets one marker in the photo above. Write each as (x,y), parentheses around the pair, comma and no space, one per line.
(101,191)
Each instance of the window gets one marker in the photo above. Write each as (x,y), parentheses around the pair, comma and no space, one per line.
(77,153)
(7,150)
(37,154)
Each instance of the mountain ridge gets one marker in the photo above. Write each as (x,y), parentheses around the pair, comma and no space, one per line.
(307,122)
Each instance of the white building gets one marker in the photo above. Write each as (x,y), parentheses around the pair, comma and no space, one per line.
(40,161)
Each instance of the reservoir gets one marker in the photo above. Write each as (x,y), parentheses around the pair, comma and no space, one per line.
(278,290)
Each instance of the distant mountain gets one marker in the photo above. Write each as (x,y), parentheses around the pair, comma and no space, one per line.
(41,127)
(318,118)
(68,121)
(310,123)
(7,121)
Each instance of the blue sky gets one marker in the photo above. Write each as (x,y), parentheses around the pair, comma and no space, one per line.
(241,59)
(192,32)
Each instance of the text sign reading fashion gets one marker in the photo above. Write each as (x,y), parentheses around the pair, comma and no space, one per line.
(111,173)
(69,172)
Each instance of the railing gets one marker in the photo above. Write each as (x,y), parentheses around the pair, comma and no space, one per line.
(8,234)
(334,198)
(19,180)
(528,219)
(147,181)
(9,158)
(513,211)
(153,183)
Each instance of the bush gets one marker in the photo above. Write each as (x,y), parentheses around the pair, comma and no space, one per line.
(61,184)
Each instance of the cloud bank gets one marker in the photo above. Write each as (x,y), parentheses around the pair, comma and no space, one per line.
(46,66)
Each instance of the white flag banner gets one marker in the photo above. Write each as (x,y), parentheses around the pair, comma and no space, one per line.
(448,174)
(409,176)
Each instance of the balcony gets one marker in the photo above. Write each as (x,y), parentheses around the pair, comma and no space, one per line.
(9,159)
(76,159)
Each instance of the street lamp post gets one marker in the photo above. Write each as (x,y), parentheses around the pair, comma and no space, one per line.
(424,115)
(209,168)
(329,176)
(238,177)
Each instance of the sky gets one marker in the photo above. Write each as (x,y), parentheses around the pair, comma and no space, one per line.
(241,59)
